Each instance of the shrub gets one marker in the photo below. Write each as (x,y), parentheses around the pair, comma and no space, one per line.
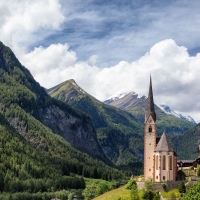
(156,196)
(198,171)
(164,186)
(147,195)
(172,196)
(182,187)
(148,184)
(131,184)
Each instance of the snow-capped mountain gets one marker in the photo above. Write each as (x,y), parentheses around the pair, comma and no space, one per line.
(126,101)
(113,98)
(169,111)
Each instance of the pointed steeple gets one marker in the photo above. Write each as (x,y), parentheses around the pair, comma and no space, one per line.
(164,144)
(150,104)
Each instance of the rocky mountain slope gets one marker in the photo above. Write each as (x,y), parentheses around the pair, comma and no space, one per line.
(19,91)
(31,168)
(33,155)
(137,105)
(169,111)
(119,133)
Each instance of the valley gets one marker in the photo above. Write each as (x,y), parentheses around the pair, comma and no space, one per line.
(63,137)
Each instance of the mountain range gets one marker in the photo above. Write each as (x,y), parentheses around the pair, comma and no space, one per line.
(169,111)
(119,133)
(68,132)
(182,130)
(165,108)
(119,125)
(43,139)
(167,119)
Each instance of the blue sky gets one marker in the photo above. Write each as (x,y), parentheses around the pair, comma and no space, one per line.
(126,30)
(110,47)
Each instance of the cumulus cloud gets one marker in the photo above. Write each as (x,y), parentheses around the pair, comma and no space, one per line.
(108,37)
(175,74)
(24,22)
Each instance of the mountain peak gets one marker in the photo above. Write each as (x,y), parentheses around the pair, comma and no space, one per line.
(169,111)
(123,101)
(72,81)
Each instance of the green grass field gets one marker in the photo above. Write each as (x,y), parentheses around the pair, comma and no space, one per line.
(117,194)
(169,194)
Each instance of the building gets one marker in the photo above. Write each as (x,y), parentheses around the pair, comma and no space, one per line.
(160,160)
(187,163)
(190,163)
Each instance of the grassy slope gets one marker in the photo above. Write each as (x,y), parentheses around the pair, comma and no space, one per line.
(115,194)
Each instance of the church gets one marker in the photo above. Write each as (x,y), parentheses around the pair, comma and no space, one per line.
(160,160)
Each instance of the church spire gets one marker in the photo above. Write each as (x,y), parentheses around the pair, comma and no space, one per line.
(150,104)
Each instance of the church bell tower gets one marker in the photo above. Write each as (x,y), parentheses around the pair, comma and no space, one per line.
(149,136)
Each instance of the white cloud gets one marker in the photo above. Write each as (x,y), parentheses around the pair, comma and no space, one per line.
(175,74)
(25,22)
(92,60)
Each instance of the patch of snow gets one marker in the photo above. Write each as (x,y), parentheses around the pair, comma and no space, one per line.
(169,111)
(120,96)
(116,97)
(81,91)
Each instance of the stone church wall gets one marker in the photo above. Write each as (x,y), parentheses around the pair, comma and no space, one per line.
(158,186)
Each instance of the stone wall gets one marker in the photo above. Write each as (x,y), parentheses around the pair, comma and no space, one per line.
(158,186)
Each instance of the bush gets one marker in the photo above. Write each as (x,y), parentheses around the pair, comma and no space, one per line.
(131,184)
(134,194)
(198,171)
(148,184)
(164,186)
(180,175)
(147,195)
(182,187)
(156,196)
(172,196)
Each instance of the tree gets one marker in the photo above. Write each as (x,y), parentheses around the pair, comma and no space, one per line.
(101,188)
(182,187)
(134,194)
(156,196)
(198,171)
(193,192)
(89,192)
(148,184)
(147,195)
(131,184)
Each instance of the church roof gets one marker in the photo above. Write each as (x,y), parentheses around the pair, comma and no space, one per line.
(164,144)
(150,104)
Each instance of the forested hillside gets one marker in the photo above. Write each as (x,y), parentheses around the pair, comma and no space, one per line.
(186,144)
(34,157)
(119,133)
(19,91)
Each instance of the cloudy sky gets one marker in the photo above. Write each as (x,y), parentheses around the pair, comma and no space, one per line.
(110,47)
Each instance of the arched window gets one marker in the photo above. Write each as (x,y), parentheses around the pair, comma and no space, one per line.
(164,162)
(156,162)
(150,129)
(170,162)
